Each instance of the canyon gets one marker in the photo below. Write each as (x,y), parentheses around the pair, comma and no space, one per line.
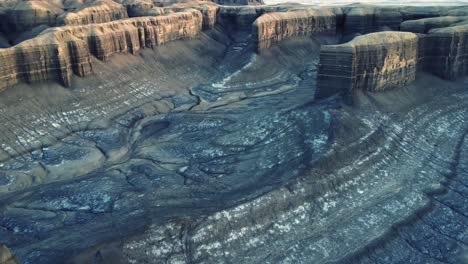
(141,131)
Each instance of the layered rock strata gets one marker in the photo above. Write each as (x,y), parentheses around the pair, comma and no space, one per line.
(374,62)
(59,52)
(98,12)
(29,14)
(367,19)
(136,8)
(274,27)
(239,2)
(209,11)
(445,52)
(426,24)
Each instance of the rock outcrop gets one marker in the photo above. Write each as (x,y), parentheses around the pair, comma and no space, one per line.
(239,2)
(209,11)
(236,18)
(59,52)
(445,52)
(370,19)
(373,62)
(137,8)
(29,14)
(366,19)
(426,24)
(274,27)
(100,11)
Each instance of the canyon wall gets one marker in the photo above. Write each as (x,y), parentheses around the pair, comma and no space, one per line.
(59,52)
(239,2)
(367,19)
(274,27)
(445,52)
(100,11)
(424,25)
(29,14)
(373,62)
(208,10)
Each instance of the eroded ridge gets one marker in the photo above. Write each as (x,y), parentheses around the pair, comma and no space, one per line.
(59,52)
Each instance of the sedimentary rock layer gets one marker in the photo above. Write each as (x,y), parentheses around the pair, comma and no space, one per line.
(98,12)
(373,62)
(426,24)
(137,8)
(209,11)
(239,2)
(28,14)
(275,27)
(59,52)
(445,52)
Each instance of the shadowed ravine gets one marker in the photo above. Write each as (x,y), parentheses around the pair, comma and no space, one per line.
(208,151)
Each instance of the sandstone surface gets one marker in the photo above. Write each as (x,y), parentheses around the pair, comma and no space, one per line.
(272,28)
(59,52)
(373,62)
(29,14)
(100,11)
(446,52)
(426,24)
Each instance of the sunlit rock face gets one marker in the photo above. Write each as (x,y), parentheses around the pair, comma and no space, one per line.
(58,53)
(146,131)
(239,2)
(373,62)
(275,27)
(97,12)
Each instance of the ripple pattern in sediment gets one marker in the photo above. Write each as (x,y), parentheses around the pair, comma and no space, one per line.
(399,195)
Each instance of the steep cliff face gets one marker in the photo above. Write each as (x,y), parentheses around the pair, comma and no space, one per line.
(239,2)
(426,24)
(371,19)
(367,19)
(100,11)
(29,14)
(59,52)
(238,17)
(445,52)
(373,62)
(47,57)
(208,10)
(243,17)
(274,27)
(137,8)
